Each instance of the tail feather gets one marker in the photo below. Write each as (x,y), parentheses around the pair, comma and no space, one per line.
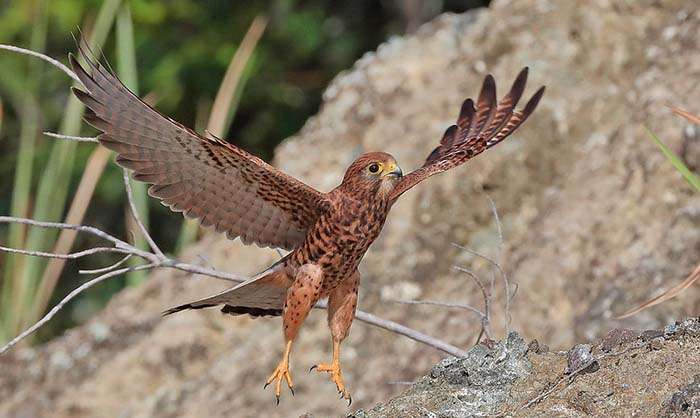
(254,312)
(261,296)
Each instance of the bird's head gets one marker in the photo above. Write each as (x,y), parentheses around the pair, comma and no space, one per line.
(372,174)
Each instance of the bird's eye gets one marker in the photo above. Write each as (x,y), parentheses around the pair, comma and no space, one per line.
(373,168)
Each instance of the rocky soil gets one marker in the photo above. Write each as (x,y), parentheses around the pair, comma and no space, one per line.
(621,375)
(594,221)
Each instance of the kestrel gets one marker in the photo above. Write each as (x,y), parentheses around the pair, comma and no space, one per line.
(237,193)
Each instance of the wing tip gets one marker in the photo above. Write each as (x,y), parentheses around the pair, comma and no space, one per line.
(467,110)
(516,91)
(534,101)
(488,89)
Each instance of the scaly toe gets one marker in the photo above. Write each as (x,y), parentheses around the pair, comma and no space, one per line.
(336,376)
(280,373)
(322,367)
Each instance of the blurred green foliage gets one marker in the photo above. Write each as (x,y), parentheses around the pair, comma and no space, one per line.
(183,48)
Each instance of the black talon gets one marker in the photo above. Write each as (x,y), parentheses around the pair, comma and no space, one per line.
(349,400)
(313,367)
(266,385)
(278,400)
(292,390)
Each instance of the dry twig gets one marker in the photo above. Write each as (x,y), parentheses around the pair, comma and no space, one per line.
(121,246)
(132,205)
(485,315)
(72,138)
(46,58)
(80,289)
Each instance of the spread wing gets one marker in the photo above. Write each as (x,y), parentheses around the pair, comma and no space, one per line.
(477,130)
(205,178)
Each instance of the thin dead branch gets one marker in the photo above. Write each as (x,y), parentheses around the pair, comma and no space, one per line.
(70,256)
(154,262)
(46,58)
(486,295)
(72,138)
(504,276)
(442,304)
(482,256)
(88,182)
(411,333)
(77,291)
(108,268)
(137,218)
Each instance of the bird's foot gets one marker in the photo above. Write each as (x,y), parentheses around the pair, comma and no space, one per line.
(336,376)
(281,372)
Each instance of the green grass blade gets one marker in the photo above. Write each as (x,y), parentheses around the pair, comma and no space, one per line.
(126,69)
(53,185)
(222,111)
(689,176)
(21,192)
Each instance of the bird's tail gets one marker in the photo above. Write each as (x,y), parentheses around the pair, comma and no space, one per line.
(262,295)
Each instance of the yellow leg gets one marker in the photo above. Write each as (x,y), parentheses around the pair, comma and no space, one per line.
(335,372)
(282,372)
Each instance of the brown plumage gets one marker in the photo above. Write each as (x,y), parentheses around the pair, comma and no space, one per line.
(241,195)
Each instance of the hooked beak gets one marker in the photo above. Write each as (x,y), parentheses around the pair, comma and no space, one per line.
(393,170)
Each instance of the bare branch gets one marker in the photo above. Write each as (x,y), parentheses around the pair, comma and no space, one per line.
(504,276)
(108,268)
(155,262)
(396,328)
(70,256)
(137,218)
(80,289)
(46,58)
(87,229)
(441,304)
(72,138)
(498,222)
(216,274)
(472,252)
(486,319)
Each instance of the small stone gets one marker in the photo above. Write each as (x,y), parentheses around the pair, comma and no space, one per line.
(657,343)
(580,359)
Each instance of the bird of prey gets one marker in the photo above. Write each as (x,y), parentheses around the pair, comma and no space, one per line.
(241,195)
